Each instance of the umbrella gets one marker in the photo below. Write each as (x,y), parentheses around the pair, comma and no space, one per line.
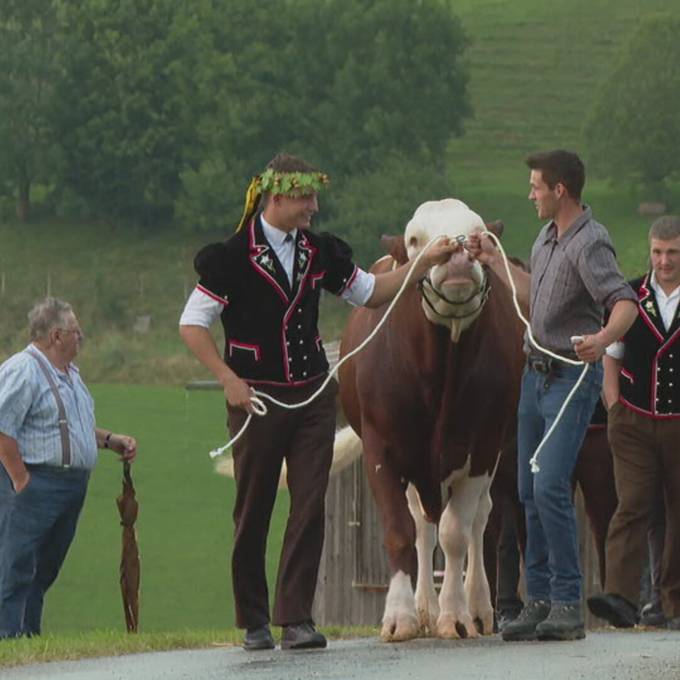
(129,559)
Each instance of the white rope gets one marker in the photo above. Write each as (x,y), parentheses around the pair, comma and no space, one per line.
(534,459)
(260,407)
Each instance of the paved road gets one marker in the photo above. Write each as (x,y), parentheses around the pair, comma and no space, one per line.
(602,656)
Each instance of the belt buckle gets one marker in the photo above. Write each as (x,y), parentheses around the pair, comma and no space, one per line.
(542,366)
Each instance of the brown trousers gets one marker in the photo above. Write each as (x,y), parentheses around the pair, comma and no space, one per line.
(304,438)
(646,458)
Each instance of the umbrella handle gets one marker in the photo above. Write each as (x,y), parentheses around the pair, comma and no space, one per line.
(126,472)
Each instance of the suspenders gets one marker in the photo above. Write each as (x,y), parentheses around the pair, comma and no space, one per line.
(63,422)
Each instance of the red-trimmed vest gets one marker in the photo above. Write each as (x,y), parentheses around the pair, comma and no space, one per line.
(270,330)
(650,371)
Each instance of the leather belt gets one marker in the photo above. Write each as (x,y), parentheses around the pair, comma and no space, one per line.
(544,365)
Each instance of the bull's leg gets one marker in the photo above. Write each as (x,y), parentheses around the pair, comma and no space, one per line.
(427,606)
(455,532)
(400,621)
(476,583)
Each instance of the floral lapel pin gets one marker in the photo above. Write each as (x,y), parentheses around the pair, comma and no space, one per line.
(649,308)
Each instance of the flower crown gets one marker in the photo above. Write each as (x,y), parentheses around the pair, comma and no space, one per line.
(276,182)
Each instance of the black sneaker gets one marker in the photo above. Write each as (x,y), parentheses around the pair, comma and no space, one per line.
(258,638)
(302,636)
(524,626)
(565,622)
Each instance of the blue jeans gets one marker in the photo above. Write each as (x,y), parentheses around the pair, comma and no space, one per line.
(36,529)
(551,557)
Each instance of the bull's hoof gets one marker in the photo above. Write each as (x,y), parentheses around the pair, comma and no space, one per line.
(450,627)
(427,620)
(399,630)
(484,624)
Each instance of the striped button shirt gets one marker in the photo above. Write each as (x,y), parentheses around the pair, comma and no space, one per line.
(28,412)
(572,280)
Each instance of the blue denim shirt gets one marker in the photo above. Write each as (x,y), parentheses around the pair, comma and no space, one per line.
(28,412)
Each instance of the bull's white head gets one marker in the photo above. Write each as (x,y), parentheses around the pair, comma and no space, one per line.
(453,293)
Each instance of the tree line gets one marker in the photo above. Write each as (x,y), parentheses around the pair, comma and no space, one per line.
(159,111)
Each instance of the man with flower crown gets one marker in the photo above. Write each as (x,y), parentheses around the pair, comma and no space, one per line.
(642,392)
(264,283)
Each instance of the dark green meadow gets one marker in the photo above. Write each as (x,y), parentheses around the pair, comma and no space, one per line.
(184,526)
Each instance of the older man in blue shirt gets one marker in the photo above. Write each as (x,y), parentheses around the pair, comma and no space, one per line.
(48,446)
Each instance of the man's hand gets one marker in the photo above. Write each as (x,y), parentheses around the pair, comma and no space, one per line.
(590,349)
(123,445)
(238,393)
(481,247)
(21,483)
(440,252)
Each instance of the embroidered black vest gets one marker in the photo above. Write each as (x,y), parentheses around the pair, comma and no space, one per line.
(650,371)
(270,328)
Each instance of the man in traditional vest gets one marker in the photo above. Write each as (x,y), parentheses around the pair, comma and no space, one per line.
(642,391)
(265,283)
(48,446)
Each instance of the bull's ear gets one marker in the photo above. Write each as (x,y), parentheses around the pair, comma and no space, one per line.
(395,247)
(496,228)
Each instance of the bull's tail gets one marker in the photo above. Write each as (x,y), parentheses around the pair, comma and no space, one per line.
(346,450)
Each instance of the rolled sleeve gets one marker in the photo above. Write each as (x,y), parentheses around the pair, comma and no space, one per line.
(601,275)
(16,396)
(201,309)
(616,350)
(359,291)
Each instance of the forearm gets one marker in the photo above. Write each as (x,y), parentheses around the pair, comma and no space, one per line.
(202,345)
(610,382)
(11,460)
(622,317)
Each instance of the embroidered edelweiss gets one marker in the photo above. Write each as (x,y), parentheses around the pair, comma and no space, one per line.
(649,307)
(302,259)
(266,261)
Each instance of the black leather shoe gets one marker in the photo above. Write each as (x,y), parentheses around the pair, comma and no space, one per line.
(302,636)
(614,609)
(258,638)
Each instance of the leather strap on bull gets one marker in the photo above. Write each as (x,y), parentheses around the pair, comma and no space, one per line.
(427,289)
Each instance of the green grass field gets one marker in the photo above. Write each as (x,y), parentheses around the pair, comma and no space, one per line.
(184,525)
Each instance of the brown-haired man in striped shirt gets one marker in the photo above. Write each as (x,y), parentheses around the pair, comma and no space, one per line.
(573,277)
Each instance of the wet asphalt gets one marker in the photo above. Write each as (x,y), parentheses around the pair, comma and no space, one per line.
(603,655)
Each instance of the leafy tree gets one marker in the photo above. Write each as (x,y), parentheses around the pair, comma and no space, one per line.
(634,127)
(28,72)
(344,83)
(123,107)
(377,77)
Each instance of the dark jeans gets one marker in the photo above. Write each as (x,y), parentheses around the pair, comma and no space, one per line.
(551,558)
(36,529)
